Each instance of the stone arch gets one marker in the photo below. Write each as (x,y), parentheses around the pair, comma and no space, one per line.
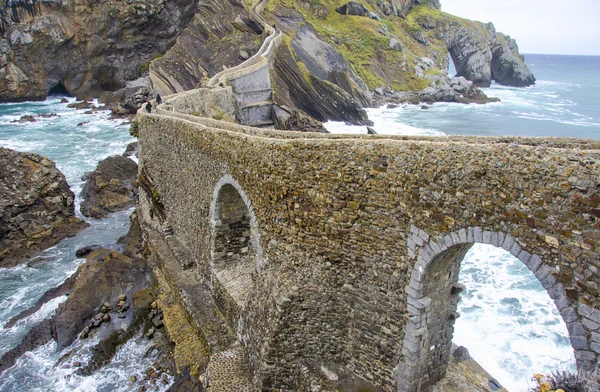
(236,252)
(432,298)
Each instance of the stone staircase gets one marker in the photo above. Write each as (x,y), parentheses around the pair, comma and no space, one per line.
(251,80)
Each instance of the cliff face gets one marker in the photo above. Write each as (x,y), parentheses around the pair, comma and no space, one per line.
(86,46)
(221,34)
(333,54)
(36,206)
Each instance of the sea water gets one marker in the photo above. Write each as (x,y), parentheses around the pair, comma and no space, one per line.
(508,322)
(76,141)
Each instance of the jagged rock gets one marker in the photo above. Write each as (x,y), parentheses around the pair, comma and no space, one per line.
(100,45)
(24,119)
(508,67)
(200,51)
(37,336)
(102,278)
(80,105)
(36,206)
(109,188)
(395,45)
(420,37)
(353,8)
(295,120)
(461,353)
(326,88)
(482,55)
(131,149)
(86,250)
(129,99)
(371,131)
(456,89)
(185,382)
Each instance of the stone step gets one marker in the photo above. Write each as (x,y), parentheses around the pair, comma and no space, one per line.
(256,113)
(250,97)
(258,80)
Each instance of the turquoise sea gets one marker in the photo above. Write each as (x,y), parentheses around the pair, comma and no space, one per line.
(507,321)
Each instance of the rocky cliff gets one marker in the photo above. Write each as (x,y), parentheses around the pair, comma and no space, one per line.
(333,55)
(83,47)
(36,205)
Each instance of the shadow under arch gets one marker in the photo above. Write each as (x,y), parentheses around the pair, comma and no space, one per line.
(433,295)
(236,252)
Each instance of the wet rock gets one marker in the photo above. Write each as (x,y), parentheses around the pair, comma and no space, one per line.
(102,278)
(132,241)
(508,67)
(64,100)
(86,250)
(184,382)
(110,187)
(132,379)
(371,131)
(80,105)
(456,89)
(131,150)
(37,336)
(82,123)
(424,107)
(461,353)
(36,206)
(24,119)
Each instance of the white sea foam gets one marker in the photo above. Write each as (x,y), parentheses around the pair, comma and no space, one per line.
(508,322)
(132,358)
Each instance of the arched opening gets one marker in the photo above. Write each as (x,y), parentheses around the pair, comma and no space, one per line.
(236,252)
(434,292)
(507,320)
(59,90)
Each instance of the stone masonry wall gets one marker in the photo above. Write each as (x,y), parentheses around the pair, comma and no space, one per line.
(351,228)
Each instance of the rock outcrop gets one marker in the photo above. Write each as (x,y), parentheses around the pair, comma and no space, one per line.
(36,205)
(211,42)
(312,75)
(110,187)
(106,277)
(482,55)
(84,47)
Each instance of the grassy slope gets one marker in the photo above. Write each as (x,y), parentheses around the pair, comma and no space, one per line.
(367,50)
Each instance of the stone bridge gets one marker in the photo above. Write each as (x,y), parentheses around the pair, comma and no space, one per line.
(315,252)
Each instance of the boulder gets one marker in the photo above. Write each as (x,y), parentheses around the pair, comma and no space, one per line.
(353,8)
(104,277)
(395,45)
(110,187)
(36,206)
(509,69)
(299,121)
(131,150)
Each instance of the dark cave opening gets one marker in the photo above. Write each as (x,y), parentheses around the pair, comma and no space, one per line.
(59,90)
